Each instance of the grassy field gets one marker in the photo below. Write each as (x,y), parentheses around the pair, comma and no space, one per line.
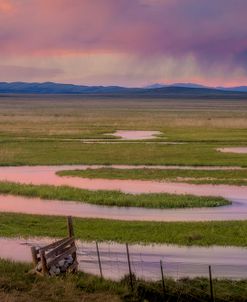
(36,152)
(83,116)
(33,129)
(232,233)
(16,284)
(111,198)
(233,177)
(45,130)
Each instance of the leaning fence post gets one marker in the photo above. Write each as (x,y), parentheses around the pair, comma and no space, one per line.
(211,284)
(162,277)
(100,267)
(130,272)
(43,262)
(34,256)
(70,226)
(71,234)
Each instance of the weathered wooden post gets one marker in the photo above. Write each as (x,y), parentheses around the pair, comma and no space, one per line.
(129,265)
(211,284)
(99,261)
(34,256)
(162,278)
(43,262)
(70,226)
(71,234)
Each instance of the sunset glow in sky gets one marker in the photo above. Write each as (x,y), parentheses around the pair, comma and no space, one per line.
(124,42)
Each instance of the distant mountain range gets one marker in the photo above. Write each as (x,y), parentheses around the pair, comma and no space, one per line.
(178,89)
(191,85)
(184,85)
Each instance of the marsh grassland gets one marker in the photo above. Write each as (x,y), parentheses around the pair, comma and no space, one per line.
(47,129)
(225,233)
(60,130)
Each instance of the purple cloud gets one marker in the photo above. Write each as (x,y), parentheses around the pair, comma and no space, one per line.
(213,32)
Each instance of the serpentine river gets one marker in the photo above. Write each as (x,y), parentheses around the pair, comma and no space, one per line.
(46,175)
(230,262)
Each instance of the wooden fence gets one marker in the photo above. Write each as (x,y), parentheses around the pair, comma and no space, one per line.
(57,257)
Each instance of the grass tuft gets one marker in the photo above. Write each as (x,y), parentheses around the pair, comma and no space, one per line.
(111,198)
(232,177)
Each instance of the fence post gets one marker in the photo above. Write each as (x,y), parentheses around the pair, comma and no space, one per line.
(162,278)
(130,272)
(34,256)
(211,284)
(100,267)
(71,234)
(43,262)
(70,226)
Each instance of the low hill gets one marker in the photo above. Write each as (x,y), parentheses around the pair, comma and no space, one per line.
(167,91)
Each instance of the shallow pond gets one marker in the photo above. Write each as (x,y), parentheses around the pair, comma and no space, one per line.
(135,134)
(237,150)
(46,175)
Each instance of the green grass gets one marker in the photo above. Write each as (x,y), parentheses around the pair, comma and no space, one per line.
(233,177)
(16,284)
(203,124)
(25,121)
(32,152)
(111,198)
(225,233)
(64,116)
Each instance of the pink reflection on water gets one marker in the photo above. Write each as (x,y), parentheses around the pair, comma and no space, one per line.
(18,204)
(135,135)
(238,150)
(179,261)
(46,175)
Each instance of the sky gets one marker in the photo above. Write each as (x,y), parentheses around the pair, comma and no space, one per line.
(124,42)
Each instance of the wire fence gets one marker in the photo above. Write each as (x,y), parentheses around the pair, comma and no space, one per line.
(181,266)
(118,261)
(111,261)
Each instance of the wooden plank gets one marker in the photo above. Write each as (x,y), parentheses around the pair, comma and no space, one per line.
(59,248)
(68,251)
(65,249)
(53,245)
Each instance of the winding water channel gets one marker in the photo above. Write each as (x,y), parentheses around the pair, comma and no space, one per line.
(230,262)
(47,175)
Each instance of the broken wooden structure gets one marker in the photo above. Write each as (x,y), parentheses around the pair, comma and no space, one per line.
(58,257)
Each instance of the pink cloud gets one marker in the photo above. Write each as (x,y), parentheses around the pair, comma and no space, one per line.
(11,73)
(6,6)
(120,25)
